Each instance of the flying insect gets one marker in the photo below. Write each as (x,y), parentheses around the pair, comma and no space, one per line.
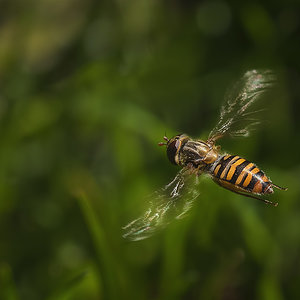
(198,157)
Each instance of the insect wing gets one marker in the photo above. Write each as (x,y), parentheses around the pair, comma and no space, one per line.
(171,202)
(236,118)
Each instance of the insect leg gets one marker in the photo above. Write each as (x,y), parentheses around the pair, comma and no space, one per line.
(257,198)
(279,187)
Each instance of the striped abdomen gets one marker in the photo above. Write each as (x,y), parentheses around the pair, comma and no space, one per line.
(238,174)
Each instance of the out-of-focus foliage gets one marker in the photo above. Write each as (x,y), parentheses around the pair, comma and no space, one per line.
(87,89)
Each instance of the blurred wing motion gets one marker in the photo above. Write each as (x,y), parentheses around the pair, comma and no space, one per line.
(171,202)
(235,117)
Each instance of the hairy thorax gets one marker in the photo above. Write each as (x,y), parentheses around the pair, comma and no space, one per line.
(198,153)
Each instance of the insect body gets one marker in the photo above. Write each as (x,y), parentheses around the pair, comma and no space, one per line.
(229,171)
(238,174)
(197,157)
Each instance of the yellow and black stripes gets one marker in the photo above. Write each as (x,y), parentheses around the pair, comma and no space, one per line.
(239,173)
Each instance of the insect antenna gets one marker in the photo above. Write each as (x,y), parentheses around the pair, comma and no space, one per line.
(163,143)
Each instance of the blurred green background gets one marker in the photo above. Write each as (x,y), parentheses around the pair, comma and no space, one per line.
(87,90)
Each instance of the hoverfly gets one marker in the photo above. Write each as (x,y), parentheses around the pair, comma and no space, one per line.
(205,157)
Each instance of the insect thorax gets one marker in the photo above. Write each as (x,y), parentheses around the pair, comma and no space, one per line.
(198,153)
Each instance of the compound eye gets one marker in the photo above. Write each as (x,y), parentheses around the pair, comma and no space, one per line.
(172,150)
